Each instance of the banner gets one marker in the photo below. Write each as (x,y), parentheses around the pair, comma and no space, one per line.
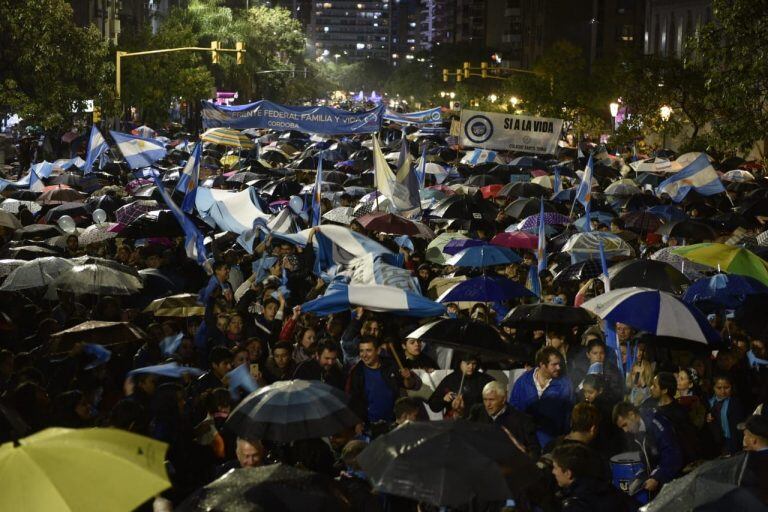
(509,132)
(430,116)
(265,114)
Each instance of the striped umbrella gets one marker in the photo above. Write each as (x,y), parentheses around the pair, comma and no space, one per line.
(228,137)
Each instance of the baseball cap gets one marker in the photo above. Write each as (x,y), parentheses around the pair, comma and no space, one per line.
(756,424)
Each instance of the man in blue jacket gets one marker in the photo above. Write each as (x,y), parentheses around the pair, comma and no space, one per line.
(545,395)
(657,442)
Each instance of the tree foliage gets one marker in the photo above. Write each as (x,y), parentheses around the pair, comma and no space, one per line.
(48,66)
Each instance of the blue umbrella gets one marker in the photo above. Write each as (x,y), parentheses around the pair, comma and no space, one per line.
(727,291)
(601,217)
(668,212)
(459,244)
(485,289)
(483,256)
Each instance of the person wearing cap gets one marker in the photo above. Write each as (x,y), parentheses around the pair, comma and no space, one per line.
(755,442)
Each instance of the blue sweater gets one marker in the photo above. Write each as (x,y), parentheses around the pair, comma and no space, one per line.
(551,412)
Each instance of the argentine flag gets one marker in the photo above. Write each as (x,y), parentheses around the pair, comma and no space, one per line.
(584,192)
(317,193)
(188,179)
(479,156)
(96,146)
(340,297)
(138,151)
(698,175)
(193,243)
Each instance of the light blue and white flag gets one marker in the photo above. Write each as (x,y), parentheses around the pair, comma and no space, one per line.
(96,146)
(170,344)
(401,189)
(604,276)
(698,175)
(480,156)
(229,211)
(340,297)
(533,282)
(138,151)
(423,166)
(240,380)
(188,179)
(339,246)
(584,192)
(317,193)
(35,183)
(193,243)
(541,249)
(173,370)
(557,182)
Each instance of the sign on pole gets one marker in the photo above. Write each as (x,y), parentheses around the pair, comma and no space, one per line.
(510,132)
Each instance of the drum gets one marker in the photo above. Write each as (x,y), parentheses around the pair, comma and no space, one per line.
(626,468)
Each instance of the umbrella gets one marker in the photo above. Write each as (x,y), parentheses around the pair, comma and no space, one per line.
(394,224)
(524,207)
(12,205)
(722,291)
(622,188)
(182,305)
(705,484)
(96,331)
(97,280)
(738,175)
(9,265)
(36,273)
(464,207)
(690,230)
(28,252)
(97,233)
(641,221)
(485,289)
(734,260)
(484,180)
(461,334)
(277,487)
(690,269)
(550,218)
(580,271)
(483,256)
(98,469)
(435,248)
(543,314)
(520,189)
(227,137)
(290,410)
(587,245)
(447,463)
(668,213)
(516,240)
(459,244)
(61,195)
(527,162)
(649,273)
(9,220)
(490,191)
(340,215)
(144,131)
(653,311)
(36,232)
(132,211)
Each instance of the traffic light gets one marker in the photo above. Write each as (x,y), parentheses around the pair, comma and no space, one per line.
(240,47)
(466,69)
(458,75)
(214,53)
(484,69)
(445,75)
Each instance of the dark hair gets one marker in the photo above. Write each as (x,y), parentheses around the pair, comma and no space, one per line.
(622,410)
(723,376)
(594,380)
(283,345)
(218,355)
(329,345)
(573,457)
(584,416)
(595,342)
(406,405)
(271,300)
(544,353)
(667,383)
(219,264)
(370,339)
(215,398)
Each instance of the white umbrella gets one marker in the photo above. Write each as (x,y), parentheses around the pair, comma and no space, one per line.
(12,205)
(341,215)
(36,273)
(96,233)
(9,265)
(95,279)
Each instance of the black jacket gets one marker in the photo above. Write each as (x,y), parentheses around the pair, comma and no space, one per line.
(356,385)
(311,370)
(519,424)
(591,495)
(471,390)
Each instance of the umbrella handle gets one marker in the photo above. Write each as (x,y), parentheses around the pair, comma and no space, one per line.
(394,354)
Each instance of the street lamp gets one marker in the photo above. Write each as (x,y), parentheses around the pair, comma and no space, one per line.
(514,100)
(614,112)
(665,111)
(443,94)
(452,94)
(493,98)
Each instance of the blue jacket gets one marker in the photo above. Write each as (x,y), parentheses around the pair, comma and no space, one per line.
(660,447)
(551,412)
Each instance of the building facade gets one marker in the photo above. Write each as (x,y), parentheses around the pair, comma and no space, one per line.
(351,29)
(115,18)
(668,23)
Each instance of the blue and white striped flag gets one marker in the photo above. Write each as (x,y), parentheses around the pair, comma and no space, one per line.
(96,146)
(138,151)
(698,175)
(479,156)
(317,193)
(557,182)
(193,243)
(584,193)
(533,282)
(188,179)
(604,266)
(422,176)
(340,297)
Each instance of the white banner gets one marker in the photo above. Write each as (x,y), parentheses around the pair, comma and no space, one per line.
(510,132)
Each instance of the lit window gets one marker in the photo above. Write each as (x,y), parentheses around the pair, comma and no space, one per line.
(327,5)
(413,24)
(326,29)
(359,6)
(360,46)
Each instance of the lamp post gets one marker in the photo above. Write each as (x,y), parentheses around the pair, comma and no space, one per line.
(493,98)
(665,112)
(614,112)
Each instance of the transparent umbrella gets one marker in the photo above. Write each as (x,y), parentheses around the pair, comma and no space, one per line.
(95,279)
(36,273)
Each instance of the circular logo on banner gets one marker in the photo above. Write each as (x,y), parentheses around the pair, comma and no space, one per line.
(478,129)
(436,116)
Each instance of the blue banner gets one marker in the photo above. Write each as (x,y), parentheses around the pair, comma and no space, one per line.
(265,114)
(430,116)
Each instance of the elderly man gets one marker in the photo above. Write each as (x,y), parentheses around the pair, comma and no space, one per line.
(250,454)
(494,409)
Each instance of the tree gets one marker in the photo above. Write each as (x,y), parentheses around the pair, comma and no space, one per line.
(48,66)
(732,49)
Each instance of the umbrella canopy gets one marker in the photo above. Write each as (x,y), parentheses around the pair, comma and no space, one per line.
(277,487)
(543,314)
(227,137)
(520,189)
(461,334)
(81,470)
(550,218)
(182,305)
(580,271)
(9,265)
(622,188)
(459,244)
(656,312)
(96,331)
(97,233)
(290,410)
(36,273)
(587,245)
(394,224)
(691,270)
(9,220)
(722,291)
(734,260)
(516,240)
(690,230)
(524,207)
(485,289)
(446,463)
(36,232)
(60,195)
(464,207)
(132,211)
(97,280)
(483,256)
(641,221)
(648,273)
(12,205)
(435,248)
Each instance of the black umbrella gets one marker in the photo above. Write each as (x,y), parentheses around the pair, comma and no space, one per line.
(158,223)
(36,232)
(308,162)
(481,180)
(542,315)
(244,177)
(291,410)
(77,211)
(649,274)
(108,203)
(447,463)
(524,207)
(335,177)
(464,207)
(466,335)
(274,488)
(524,190)
(28,252)
(690,230)
(580,271)
(274,157)
(282,189)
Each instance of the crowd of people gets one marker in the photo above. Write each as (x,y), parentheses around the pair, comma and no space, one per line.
(574,406)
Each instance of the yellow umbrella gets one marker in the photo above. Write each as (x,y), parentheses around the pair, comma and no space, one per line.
(82,470)
(727,258)
(183,305)
(228,137)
